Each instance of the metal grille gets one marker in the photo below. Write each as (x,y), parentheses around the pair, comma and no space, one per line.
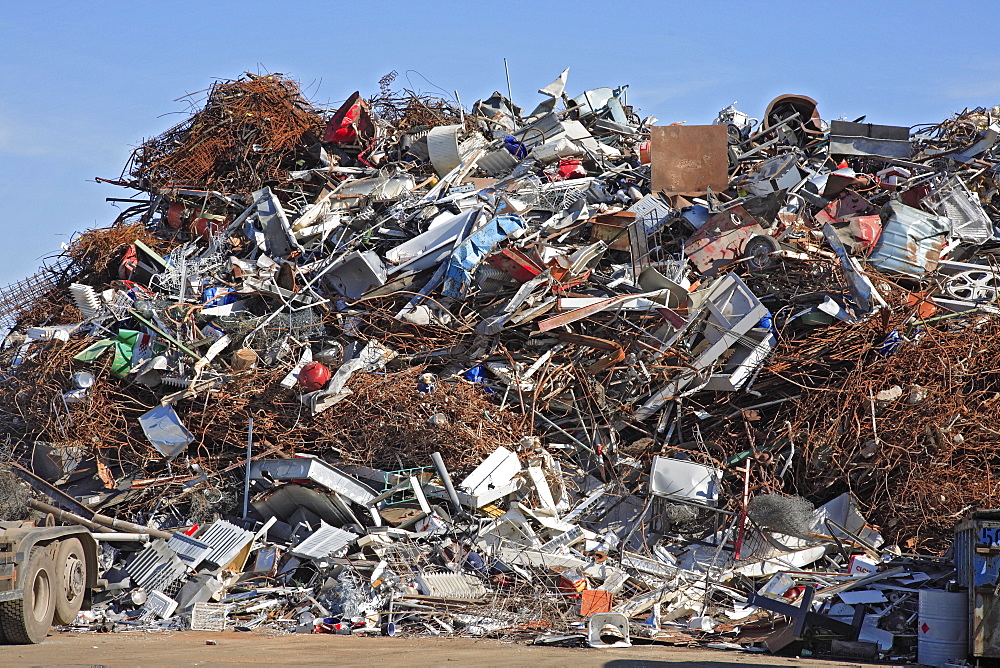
(22,295)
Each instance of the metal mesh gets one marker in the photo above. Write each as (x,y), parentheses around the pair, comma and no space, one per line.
(22,295)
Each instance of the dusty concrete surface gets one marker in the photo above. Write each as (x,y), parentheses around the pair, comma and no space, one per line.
(189,649)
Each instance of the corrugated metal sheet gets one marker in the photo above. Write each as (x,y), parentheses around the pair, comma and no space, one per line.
(156,567)
(190,550)
(497,163)
(225,540)
(456,586)
(911,240)
(327,541)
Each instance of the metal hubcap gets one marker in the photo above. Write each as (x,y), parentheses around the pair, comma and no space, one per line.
(73,577)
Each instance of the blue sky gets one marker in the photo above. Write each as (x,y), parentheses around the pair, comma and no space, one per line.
(85,82)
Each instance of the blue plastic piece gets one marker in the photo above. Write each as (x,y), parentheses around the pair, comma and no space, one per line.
(515,147)
(468,254)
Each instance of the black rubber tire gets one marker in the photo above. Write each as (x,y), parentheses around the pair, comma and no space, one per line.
(27,620)
(70,582)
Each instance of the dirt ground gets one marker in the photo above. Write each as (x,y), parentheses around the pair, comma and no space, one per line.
(190,649)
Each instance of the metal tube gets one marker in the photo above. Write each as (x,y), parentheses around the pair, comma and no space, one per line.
(105,537)
(246,480)
(446,479)
(98,522)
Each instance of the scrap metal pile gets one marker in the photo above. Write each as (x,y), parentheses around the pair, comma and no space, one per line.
(409,366)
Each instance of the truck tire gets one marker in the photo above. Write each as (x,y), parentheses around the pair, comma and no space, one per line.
(27,620)
(70,580)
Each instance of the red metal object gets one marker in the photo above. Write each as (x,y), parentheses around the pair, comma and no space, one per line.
(175,215)
(314,376)
(571,168)
(520,267)
(849,203)
(914,195)
(720,240)
(866,229)
(351,122)
(207,227)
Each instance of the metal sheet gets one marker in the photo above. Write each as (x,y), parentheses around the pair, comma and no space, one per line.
(887,141)
(956,202)
(911,240)
(688,159)
(684,480)
(190,550)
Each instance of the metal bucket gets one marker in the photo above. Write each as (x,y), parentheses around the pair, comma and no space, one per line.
(942,627)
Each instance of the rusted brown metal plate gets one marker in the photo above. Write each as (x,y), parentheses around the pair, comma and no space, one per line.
(689,159)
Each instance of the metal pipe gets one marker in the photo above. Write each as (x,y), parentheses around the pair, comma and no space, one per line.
(446,479)
(64,515)
(105,537)
(98,522)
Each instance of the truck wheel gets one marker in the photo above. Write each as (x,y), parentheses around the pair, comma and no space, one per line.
(27,620)
(70,580)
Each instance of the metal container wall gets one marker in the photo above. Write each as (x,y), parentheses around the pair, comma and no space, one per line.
(976,551)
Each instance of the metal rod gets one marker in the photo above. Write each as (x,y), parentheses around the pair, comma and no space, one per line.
(510,95)
(246,479)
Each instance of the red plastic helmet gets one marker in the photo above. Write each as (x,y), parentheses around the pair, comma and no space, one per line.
(314,376)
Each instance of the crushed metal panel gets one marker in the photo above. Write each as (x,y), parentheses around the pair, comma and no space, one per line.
(277,230)
(357,273)
(689,159)
(495,471)
(442,232)
(165,431)
(960,205)
(748,354)
(190,550)
(326,541)
(861,288)
(721,240)
(886,141)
